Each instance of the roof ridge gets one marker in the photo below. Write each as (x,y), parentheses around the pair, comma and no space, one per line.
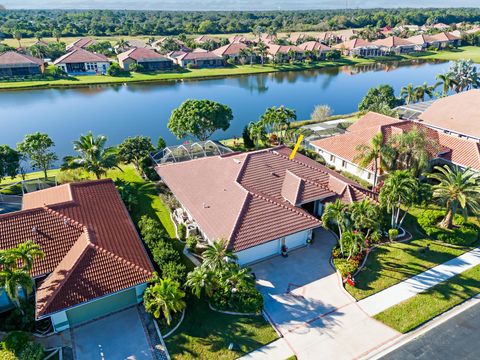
(239,217)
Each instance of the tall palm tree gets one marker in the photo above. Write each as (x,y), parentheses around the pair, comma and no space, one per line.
(237,277)
(27,253)
(164,297)
(217,255)
(122,45)
(262,50)
(446,81)
(398,191)
(377,153)
(57,34)
(15,281)
(364,216)
(354,242)
(257,133)
(409,94)
(200,279)
(18,36)
(336,213)
(243,55)
(424,90)
(456,190)
(93,156)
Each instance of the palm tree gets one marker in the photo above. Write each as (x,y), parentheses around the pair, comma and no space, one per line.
(217,255)
(423,90)
(93,156)
(376,152)
(198,279)
(353,241)
(57,34)
(27,253)
(257,133)
(456,189)
(262,50)
(243,54)
(237,277)
(447,83)
(336,213)
(364,215)
(150,41)
(18,36)
(408,93)
(14,281)
(398,190)
(164,297)
(122,45)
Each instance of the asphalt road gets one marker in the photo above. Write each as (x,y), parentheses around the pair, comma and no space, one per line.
(457,338)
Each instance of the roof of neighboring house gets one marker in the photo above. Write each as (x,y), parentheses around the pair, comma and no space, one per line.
(238,38)
(392,41)
(82,43)
(445,36)
(141,55)
(41,43)
(231,49)
(295,38)
(15,58)
(91,246)
(78,55)
(324,36)
(421,39)
(176,54)
(205,38)
(136,43)
(460,151)
(314,46)
(475,30)
(345,34)
(199,55)
(441,26)
(283,49)
(352,44)
(253,198)
(459,113)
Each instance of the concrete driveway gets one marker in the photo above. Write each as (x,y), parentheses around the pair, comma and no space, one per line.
(116,337)
(304,299)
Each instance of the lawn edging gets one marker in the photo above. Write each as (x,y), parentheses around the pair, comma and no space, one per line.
(176,326)
(231,312)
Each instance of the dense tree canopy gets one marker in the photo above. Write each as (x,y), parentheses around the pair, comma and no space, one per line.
(37,148)
(9,162)
(30,23)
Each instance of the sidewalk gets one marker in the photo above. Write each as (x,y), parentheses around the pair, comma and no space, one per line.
(277,350)
(395,294)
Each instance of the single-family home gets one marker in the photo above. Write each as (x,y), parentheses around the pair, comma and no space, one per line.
(422,41)
(474,30)
(79,61)
(258,201)
(206,39)
(267,38)
(441,26)
(240,39)
(231,51)
(297,38)
(95,263)
(315,47)
(386,31)
(445,39)
(341,151)
(359,47)
(199,59)
(395,45)
(148,59)
(81,43)
(282,53)
(15,64)
(345,35)
(408,27)
(158,44)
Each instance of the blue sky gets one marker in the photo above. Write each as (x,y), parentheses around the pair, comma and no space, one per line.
(230,4)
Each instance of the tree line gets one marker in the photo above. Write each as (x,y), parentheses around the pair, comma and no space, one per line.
(56,23)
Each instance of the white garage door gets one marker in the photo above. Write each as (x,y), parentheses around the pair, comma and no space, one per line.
(259,252)
(296,240)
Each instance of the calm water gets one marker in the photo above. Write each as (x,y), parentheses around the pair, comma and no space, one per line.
(121,111)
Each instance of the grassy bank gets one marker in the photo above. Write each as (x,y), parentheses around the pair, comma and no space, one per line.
(419,309)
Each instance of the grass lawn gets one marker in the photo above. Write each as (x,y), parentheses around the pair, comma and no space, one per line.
(415,311)
(390,264)
(205,334)
(463,52)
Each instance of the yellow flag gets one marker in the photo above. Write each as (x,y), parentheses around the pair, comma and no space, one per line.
(297,145)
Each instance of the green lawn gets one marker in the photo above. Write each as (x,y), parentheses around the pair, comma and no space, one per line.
(417,310)
(205,334)
(464,52)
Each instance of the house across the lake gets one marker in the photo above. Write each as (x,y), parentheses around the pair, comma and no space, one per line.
(82,62)
(81,43)
(94,263)
(258,201)
(199,59)
(15,64)
(148,59)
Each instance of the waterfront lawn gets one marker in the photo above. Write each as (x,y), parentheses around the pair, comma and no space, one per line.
(417,310)
(463,52)
(206,334)
(390,264)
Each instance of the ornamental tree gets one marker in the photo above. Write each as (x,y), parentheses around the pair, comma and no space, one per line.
(9,162)
(199,119)
(37,148)
(135,149)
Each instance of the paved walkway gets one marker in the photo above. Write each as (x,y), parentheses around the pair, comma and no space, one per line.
(277,350)
(395,294)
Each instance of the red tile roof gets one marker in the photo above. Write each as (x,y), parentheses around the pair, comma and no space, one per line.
(283,49)
(392,41)
(205,38)
(352,44)
(249,198)
(78,55)
(445,36)
(91,246)
(421,39)
(232,49)
(15,58)
(314,46)
(141,55)
(199,55)
(81,43)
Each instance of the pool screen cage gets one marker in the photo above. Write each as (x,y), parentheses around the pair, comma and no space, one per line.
(189,151)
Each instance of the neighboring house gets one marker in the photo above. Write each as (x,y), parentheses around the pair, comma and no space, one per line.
(341,150)
(345,35)
(297,38)
(441,26)
(81,43)
(445,39)
(316,47)
(282,53)
(148,59)
(395,45)
(82,62)
(412,28)
(422,41)
(358,47)
(257,201)
(457,114)
(267,38)
(474,30)
(205,39)
(240,39)
(199,59)
(328,38)
(230,51)
(95,262)
(16,64)
(158,44)
(40,43)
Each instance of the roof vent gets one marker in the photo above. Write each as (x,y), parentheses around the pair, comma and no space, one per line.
(65,221)
(34,229)
(205,206)
(274,174)
(237,161)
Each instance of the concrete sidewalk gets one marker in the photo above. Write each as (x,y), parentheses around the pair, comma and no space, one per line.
(277,350)
(395,294)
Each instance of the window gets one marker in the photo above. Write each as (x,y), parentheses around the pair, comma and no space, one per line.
(344,163)
(332,158)
(369,176)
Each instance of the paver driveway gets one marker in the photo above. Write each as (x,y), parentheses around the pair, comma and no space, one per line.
(317,318)
(115,337)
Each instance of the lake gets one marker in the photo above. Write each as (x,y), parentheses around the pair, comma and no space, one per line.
(144,109)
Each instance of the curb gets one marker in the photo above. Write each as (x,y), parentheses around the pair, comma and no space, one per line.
(175,328)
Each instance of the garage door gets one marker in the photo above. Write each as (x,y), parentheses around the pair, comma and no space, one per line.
(101,307)
(296,240)
(259,252)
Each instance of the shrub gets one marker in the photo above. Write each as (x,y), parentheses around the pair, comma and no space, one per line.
(192,66)
(137,68)
(231,61)
(7,355)
(115,70)
(192,242)
(245,300)
(174,271)
(182,231)
(247,140)
(164,252)
(321,113)
(152,231)
(32,351)
(15,341)
(346,266)
(392,234)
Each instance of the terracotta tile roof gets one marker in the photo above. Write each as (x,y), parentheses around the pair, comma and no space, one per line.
(91,245)
(141,55)
(78,55)
(233,48)
(445,36)
(248,198)
(15,59)
(459,113)
(199,55)
(421,39)
(392,41)
(352,44)
(238,39)
(205,38)
(314,46)
(82,43)
(283,49)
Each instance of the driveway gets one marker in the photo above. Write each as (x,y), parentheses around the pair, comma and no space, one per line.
(305,301)
(118,336)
